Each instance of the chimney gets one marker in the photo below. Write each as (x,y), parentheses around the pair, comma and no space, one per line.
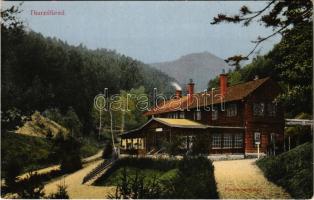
(223,83)
(256,77)
(178,94)
(191,87)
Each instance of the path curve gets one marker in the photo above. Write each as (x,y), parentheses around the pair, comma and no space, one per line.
(242,179)
(78,190)
(45,170)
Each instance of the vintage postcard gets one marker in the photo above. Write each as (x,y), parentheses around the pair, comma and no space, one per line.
(157,99)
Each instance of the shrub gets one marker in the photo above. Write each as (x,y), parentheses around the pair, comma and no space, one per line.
(61,193)
(70,151)
(136,188)
(194,178)
(12,170)
(292,170)
(108,150)
(32,188)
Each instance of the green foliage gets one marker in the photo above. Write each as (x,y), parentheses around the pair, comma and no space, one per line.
(195,180)
(134,187)
(61,193)
(292,170)
(69,151)
(293,61)
(11,119)
(32,188)
(186,178)
(12,169)
(200,145)
(35,71)
(29,152)
(173,148)
(108,150)
(282,16)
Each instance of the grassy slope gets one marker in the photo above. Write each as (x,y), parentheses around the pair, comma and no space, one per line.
(292,170)
(34,152)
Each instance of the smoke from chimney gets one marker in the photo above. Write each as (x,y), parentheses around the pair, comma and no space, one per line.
(176,86)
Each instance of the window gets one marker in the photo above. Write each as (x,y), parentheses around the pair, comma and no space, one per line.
(175,115)
(258,109)
(216,141)
(215,114)
(182,115)
(271,109)
(198,115)
(232,110)
(227,141)
(238,141)
(257,137)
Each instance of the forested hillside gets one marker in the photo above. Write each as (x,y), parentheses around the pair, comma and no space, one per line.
(290,63)
(40,73)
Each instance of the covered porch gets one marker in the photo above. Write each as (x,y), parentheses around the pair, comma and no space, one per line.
(151,137)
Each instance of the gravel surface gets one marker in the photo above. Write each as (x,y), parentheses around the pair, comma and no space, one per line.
(242,179)
(78,190)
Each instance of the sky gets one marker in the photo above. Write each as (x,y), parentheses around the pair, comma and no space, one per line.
(148,31)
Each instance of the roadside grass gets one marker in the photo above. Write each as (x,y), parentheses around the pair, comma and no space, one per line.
(149,174)
(293,170)
(35,152)
(191,178)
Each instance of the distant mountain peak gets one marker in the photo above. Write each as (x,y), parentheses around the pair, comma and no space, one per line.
(201,67)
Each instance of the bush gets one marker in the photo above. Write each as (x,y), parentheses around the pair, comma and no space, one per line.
(108,151)
(136,188)
(32,187)
(13,169)
(70,150)
(292,170)
(194,178)
(61,193)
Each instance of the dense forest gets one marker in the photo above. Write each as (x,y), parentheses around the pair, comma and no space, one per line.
(40,73)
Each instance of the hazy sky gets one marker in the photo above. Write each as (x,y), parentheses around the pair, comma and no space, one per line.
(148,31)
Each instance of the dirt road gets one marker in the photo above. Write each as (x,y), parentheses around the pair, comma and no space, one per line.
(78,190)
(243,179)
(56,167)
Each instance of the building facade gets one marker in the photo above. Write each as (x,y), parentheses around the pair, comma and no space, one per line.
(239,119)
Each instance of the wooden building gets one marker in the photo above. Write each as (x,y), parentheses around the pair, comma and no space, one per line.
(231,120)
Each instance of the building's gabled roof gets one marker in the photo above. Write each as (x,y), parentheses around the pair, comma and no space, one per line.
(234,93)
(175,123)
(180,123)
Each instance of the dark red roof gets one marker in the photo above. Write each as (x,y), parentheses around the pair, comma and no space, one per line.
(234,93)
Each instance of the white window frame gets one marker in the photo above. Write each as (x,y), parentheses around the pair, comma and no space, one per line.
(216,141)
(227,141)
(238,141)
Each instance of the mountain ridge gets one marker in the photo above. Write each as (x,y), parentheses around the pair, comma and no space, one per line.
(201,67)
